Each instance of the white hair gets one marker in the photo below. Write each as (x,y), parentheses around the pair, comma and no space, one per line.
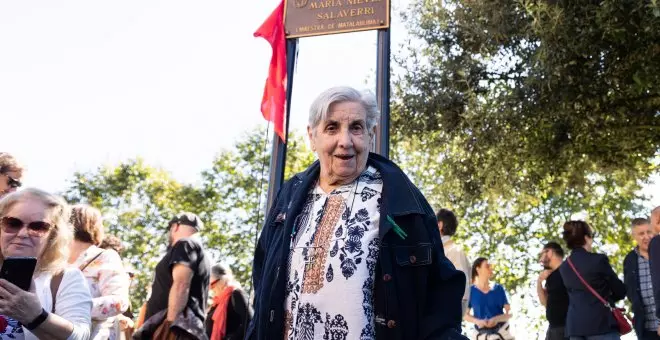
(318,112)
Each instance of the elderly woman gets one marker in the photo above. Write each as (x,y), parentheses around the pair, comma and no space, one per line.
(11,172)
(107,280)
(351,248)
(34,223)
(229,313)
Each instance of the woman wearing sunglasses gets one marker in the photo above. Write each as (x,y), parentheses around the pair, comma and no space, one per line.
(34,223)
(229,314)
(11,172)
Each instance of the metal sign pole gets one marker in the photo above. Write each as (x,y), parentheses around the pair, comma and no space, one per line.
(278,155)
(383,92)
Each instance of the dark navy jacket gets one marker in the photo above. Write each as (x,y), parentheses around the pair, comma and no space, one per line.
(417,293)
(633,290)
(654,264)
(586,314)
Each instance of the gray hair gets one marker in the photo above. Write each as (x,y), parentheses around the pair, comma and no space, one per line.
(220,270)
(319,110)
(636,222)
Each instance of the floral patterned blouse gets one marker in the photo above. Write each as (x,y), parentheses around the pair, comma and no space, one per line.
(332,263)
(108,282)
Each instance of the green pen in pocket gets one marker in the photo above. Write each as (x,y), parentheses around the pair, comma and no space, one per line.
(402,234)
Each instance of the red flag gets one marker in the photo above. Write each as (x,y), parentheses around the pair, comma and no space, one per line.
(274,99)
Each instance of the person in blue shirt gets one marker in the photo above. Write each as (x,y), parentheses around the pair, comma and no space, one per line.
(489,307)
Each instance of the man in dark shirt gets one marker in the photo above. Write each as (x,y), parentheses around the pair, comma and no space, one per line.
(182,275)
(637,277)
(553,296)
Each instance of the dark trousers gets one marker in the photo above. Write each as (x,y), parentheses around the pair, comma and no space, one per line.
(649,335)
(555,333)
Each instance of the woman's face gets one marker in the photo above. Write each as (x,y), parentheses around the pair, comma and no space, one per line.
(342,142)
(485,270)
(24,229)
(216,284)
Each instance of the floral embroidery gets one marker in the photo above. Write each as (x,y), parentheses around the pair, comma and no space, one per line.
(314,276)
(11,329)
(338,235)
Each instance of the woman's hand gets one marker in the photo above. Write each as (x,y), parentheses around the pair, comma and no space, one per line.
(481,323)
(18,304)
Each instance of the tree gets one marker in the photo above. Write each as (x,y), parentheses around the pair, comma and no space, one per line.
(138,200)
(520,115)
(510,232)
(542,94)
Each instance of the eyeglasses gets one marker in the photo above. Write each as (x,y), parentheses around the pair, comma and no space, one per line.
(12,182)
(12,225)
(213,283)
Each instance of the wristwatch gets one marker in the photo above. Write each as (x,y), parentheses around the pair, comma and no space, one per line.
(38,320)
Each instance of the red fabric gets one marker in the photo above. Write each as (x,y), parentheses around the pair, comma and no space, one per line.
(274,99)
(220,315)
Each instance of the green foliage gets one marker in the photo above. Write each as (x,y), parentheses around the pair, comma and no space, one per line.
(138,200)
(541,93)
(532,113)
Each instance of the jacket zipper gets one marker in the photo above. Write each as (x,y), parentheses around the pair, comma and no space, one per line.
(277,276)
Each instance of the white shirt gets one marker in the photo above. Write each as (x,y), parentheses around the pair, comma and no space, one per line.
(457,256)
(74,303)
(332,265)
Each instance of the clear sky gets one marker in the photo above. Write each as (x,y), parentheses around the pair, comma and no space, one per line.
(86,83)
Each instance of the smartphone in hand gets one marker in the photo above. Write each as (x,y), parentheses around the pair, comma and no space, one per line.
(19,271)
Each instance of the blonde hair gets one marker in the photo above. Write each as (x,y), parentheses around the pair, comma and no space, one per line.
(10,163)
(87,224)
(56,252)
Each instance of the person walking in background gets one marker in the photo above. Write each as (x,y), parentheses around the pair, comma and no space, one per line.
(554,295)
(124,324)
(177,305)
(588,318)
(11,172)
(447,224)
(230,312)
(112,242)
(107,280)
(637,278)
(489,304)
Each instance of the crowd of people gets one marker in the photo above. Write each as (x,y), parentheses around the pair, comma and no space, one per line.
(80,285)
(579,291)
(350,249)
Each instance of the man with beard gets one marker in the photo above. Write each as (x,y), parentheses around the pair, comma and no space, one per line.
(637,277)
(553,296)
(180,289)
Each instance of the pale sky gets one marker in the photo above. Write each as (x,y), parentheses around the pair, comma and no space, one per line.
(85,83)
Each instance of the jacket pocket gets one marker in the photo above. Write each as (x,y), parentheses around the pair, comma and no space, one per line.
(417,255)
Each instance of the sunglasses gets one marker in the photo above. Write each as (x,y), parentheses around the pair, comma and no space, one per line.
(12,225)
(13,182)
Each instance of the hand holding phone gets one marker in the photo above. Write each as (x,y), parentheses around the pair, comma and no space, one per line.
(19,271)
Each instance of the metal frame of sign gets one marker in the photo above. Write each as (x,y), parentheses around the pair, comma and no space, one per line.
(384,25)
